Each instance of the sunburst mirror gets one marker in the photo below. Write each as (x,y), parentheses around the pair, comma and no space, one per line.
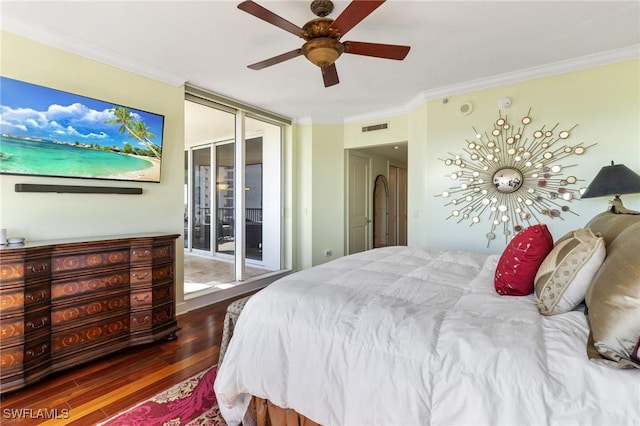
(510,177)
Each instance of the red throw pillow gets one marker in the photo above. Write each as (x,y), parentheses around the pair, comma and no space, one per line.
(519,263)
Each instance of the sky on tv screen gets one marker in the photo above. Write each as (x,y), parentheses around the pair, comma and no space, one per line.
(28,110)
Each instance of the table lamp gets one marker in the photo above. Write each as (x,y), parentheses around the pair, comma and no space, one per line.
(615,179)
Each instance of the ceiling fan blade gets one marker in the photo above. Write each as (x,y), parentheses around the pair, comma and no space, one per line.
(275,60)
(330,75)
(378,50)
(260,12)
(355,12)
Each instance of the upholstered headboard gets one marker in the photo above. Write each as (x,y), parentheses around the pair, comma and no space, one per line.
(613,298)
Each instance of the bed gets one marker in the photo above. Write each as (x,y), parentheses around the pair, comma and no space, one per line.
(418,336)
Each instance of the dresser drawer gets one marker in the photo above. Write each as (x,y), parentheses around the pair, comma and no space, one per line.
(80,337)
(163,272)
(141,276)
(19,328)
(11,357)
(62,263)
(155,296)
(141,319)
(37,268)
(11,270)
(11,327)
(37,321)
(17,299)
(144,276)
(37,351)
(163,313)
(164,252)
(12,300)
(87,284)
(88,309)
(141,298)
(152,317)
(20,270)
(162,293)
(141,254)
(37,294)
(15,357)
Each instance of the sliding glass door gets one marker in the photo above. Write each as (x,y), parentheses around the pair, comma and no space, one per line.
(232,191)
(253,199)
(201,223)
(225,193)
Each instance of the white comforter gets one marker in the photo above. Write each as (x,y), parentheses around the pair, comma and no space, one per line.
(414,336)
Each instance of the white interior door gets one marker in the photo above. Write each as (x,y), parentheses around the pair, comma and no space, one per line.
(359,205)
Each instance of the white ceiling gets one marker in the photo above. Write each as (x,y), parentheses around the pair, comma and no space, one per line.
(455,46)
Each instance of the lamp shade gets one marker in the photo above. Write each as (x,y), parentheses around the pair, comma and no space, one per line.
(615,179)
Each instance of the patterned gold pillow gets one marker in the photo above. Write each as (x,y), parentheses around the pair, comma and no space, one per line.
(566,273)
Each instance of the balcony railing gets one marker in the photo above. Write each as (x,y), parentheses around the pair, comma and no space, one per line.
(225,215)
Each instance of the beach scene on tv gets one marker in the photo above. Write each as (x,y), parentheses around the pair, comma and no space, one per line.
(47,132)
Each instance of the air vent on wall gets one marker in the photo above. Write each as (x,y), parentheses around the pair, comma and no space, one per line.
(375,127)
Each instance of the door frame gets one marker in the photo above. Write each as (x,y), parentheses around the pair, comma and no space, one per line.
(368,196)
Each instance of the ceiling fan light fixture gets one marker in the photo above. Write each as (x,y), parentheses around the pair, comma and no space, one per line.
(323,51)
(322,36)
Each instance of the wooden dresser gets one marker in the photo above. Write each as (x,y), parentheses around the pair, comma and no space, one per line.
(66,302)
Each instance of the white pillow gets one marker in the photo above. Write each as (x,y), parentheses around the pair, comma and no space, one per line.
(566,273)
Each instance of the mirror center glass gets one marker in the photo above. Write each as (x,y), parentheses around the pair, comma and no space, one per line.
(507,180)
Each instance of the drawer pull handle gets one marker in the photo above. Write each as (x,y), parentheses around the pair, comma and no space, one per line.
(138,277)
(143,254)
(34,326)
(35,270)
(31,297)
(137,299)
(31,353)
(144,320)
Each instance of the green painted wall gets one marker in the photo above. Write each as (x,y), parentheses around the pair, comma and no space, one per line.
(604,101)
(43,216)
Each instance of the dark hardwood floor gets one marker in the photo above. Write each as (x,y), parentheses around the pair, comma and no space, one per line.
(92,392)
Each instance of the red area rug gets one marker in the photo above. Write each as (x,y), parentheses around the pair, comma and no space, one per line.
(191,402)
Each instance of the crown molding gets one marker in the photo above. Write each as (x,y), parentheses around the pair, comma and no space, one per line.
(78,47)
(555,68)
(303,121)
(308,121)
(384,113)
(561,67)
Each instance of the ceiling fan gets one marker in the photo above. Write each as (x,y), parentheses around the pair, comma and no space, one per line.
(322,35)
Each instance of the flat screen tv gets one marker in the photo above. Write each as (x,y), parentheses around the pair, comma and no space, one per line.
(47,132)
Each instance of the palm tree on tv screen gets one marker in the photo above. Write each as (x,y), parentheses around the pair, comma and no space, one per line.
(141,132)
(137,129)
